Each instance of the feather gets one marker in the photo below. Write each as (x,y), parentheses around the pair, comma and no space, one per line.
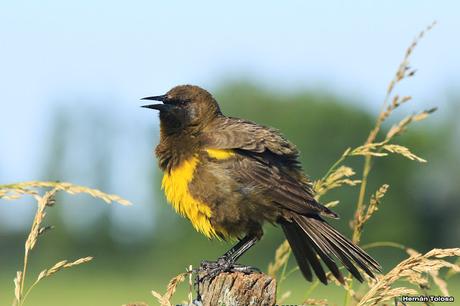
(330,245)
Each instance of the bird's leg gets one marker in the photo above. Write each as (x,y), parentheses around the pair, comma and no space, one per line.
(225,263)
(240,248)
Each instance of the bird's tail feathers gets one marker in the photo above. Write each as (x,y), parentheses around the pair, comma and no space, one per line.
(311,237)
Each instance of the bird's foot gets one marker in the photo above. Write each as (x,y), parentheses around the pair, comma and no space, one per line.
(210,269)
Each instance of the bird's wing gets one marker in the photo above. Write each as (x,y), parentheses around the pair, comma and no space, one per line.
(268,162)
(285,188)
(234,133)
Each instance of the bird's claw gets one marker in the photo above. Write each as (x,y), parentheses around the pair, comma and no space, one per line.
(245,269)
(210,269)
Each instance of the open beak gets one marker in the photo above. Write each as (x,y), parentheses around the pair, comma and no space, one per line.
(159,106)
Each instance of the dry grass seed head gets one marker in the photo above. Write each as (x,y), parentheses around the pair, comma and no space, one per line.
(361,218)
(64,264)
(402,72)
(338,178)
(373,149)
(401,126)
(39,216)
(368,149)
(410,270)
(190,284)
(332,204)
(165,300)
(17,286)
(398,149)
(15,193)
(67,187)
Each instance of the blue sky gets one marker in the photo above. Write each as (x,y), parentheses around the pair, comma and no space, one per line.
(53,52)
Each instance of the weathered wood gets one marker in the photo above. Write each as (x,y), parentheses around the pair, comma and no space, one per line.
(238,289)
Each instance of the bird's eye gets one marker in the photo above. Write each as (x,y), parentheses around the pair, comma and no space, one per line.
(178,101)
(181,101)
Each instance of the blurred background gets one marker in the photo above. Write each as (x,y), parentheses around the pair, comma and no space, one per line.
(72,73)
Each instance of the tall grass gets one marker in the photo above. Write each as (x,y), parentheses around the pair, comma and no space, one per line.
(418,268)
(37,230)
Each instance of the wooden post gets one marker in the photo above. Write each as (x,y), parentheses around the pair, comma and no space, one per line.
(238,289)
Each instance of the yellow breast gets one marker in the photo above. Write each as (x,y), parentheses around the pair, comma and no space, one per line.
(175,185)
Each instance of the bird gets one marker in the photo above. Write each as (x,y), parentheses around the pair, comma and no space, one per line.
(230,176)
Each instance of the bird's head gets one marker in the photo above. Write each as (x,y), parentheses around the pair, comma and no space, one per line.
(185,106)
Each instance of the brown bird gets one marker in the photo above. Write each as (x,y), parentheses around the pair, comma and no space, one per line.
(228,176)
